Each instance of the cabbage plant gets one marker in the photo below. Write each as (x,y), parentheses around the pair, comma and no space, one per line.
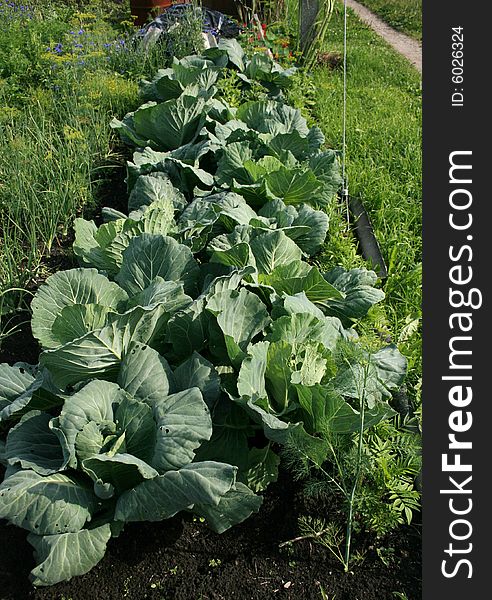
(197,336)
(116,453)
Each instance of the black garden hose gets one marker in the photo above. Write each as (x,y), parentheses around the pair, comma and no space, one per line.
(371,251)
(368,243)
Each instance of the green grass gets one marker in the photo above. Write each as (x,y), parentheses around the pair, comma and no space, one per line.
(65,71)
(404,15)
(383,166)
(48,156)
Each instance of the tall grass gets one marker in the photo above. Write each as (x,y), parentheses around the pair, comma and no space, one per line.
(384,166)
(65,71)
(47,157)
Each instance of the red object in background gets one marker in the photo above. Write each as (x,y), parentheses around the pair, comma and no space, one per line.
(142,9)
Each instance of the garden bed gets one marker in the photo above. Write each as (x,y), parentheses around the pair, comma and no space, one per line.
(258,356)
(182,560)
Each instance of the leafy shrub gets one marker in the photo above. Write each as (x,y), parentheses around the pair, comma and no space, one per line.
(113,455)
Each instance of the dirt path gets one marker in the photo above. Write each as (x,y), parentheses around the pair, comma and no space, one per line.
(405,45)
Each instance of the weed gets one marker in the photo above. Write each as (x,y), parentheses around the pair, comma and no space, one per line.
(345,469)
(384,166)
(214,563)
(156,586)
(229,86)
(198,519)
(126,586)
(370,469)
(302,95)
(9,301)
(386,555)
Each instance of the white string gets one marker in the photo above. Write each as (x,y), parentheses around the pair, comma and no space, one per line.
(345,192)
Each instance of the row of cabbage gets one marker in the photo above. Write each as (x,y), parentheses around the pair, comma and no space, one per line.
(196,337)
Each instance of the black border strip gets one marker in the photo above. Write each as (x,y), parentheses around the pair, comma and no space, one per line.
(447,129)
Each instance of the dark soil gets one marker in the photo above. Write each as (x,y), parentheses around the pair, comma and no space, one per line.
(180,559)
(111,190)
(21,345)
